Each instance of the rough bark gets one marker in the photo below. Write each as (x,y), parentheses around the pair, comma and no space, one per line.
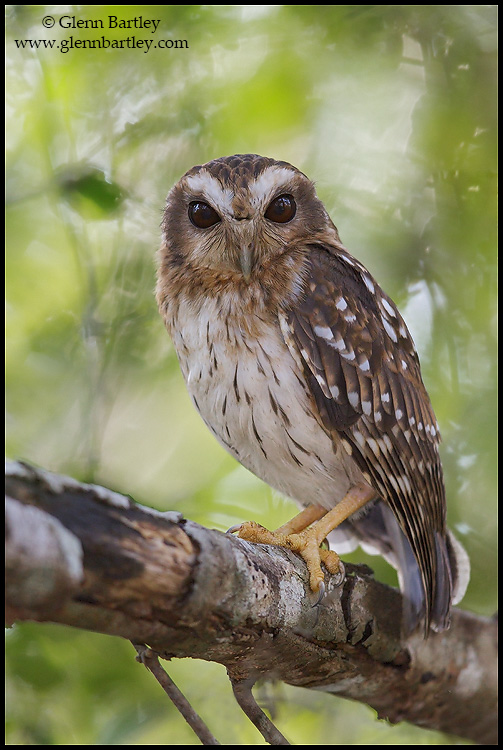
(84,556)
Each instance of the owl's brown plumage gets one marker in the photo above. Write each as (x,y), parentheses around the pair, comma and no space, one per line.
(303,367)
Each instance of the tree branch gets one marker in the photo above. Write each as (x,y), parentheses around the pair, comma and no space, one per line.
(242,690)
(84,556)
(149,659)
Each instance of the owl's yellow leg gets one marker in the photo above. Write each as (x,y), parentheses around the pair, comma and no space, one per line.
(302,520)
(305,539)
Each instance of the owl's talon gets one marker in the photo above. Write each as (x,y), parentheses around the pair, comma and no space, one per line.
(340,577)
(321,594)
(234,529)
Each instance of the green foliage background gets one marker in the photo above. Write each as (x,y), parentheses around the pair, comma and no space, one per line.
(391,109)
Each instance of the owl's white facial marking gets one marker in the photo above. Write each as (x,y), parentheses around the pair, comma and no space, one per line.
(268,184)
(207,186)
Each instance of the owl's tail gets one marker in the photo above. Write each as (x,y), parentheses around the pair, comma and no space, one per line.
(378,533)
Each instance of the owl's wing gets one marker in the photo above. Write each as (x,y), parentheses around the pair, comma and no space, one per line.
(363,371)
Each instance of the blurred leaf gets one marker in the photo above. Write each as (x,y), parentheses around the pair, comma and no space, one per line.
(82,184)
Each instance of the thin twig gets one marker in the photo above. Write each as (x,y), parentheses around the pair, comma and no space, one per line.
(151,661)
(243,694)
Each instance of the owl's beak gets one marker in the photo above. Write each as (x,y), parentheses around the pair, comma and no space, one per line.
(246,261)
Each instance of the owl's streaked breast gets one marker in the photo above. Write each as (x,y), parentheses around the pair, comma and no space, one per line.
(248,391)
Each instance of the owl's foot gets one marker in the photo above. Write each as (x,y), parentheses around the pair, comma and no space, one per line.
(306,544)
(307,531)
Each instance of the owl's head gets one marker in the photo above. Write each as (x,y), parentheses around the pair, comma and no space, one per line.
(238,215)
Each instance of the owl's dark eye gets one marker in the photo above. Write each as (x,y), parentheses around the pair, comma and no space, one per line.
(202,215)
(281,209)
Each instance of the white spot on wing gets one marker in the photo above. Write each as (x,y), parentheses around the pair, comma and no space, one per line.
(341,303)
(359,438)
(339,344)
(364,365)
(348,355)
(404,484)
(394,483)
(373,446)
(387,307)
(321,381)
(324,332)
(354,399)
(368,283)
(382,445)
(389,329)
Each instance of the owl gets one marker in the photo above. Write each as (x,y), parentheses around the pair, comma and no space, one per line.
(304,370)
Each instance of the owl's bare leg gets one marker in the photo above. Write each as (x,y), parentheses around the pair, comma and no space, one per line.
(302,520)
(357,497)
(306,541)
